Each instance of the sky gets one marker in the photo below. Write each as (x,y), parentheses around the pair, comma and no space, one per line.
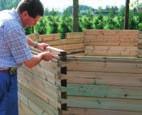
(60,5)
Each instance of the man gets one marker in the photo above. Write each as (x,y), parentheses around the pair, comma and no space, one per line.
(14,50)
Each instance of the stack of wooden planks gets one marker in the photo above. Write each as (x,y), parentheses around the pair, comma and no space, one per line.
(111,42)
(40,88)
(96,72)
(73,43)
(103,86)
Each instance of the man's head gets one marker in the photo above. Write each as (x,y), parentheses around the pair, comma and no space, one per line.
(30,11)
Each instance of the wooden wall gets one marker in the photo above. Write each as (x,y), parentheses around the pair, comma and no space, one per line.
(103,86)
(124,43)
(40,88)
(99,74)
(111,42)
(73,43)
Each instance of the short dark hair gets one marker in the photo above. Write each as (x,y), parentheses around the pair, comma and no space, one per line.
(33,7)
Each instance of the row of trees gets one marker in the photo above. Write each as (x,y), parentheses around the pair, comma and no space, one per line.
(83,17)
(63,24)
(89,18)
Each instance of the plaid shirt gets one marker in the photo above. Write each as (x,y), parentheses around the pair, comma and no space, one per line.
(14,49)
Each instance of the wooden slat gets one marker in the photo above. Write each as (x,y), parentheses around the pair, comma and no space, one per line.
(24,110)
(51,100)
(84,111)
(65,41)
(106,91)
(44,74)
(34,108)
(105,78)
(111,50)
(71,47)
(55,51)
(72,35)
(97,66)
(112,32)
(46,90)
(105,103)
(38,101)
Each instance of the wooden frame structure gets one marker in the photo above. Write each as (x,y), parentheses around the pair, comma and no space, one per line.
(79,83)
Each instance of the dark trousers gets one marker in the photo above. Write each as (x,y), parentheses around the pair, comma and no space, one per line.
(8,94)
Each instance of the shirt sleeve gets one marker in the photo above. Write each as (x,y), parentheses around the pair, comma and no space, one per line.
(17,43)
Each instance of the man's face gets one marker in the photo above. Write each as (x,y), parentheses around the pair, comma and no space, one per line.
(27,20)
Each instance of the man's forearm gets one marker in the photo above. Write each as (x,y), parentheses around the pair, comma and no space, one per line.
(34,61)
(32,43)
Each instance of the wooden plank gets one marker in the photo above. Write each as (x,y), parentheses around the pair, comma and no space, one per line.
(100,32)
(72,35)
(112,43)
(111,38)
(84,111)
(79,51)
(49,94)
(105,78)
(105,103)
(45,98)
(38,101)
(111,32)
(106,91)
(45,38)
(105,59)
(111,50)
(68,47)
(97,66)
(24,110)
(65,41)
(47,76)
(34,108)
(53,50)
(42,88)
(43,68)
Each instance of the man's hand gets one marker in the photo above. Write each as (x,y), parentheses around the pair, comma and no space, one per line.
(47,56)
(42,46)
(39,46)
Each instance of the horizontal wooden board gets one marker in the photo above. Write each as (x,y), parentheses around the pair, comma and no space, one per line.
(98,66)
(65,41)
(103,78)
(44,38)
(71,35)
(111,51)
(25,110)
(49,91)
(106,91)
(112,32)
(34,108)
(68,47)
(51,100)
(45,75)
(105,103)
(85,111)
(38,101)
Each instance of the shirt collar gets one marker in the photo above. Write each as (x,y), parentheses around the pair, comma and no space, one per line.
(17,16)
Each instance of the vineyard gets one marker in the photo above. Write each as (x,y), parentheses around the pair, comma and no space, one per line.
(63,24)
(55,21)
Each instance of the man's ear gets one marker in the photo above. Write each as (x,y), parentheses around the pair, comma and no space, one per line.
(24,14)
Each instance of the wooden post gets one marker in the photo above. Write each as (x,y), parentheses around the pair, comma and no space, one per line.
(75,16)
(126,24)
